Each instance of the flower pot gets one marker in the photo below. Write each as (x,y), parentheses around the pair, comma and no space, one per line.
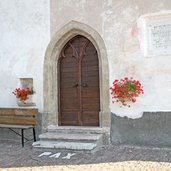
(29,102)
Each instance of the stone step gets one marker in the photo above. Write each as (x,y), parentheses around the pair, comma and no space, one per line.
(78,129)
(65,145)
(74,137)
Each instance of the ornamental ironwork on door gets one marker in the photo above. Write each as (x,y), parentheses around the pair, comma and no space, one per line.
(78,82)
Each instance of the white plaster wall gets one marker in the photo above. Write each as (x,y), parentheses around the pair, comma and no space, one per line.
(114,20)
(24,36)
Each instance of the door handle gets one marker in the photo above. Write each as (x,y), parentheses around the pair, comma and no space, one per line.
(76,85)
(84,85)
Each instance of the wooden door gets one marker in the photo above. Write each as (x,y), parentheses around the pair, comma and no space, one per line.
(79,96)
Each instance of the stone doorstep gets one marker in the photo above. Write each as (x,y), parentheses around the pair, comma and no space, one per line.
(78,129)
(65,145)
(73,138)
(70,137)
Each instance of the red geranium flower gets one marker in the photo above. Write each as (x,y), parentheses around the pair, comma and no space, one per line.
(126,90)
(23,94)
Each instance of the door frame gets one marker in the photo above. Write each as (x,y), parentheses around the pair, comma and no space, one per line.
(50,75)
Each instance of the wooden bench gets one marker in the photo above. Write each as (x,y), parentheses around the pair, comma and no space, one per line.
(19,118)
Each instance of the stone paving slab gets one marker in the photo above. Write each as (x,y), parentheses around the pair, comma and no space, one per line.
(115,158)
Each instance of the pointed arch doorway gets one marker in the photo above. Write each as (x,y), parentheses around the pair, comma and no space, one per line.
(78,83)
(51,99)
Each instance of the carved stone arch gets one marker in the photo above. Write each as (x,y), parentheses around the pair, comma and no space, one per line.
(50,86)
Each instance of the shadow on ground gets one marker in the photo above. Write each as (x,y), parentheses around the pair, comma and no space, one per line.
(13,155)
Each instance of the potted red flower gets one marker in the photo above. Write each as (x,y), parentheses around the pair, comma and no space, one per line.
(23,94)
(126,90)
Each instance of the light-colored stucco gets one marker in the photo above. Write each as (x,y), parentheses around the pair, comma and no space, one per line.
(27,27)
(24,36)
(115,22)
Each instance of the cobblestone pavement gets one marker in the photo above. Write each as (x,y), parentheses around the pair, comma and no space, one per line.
(113,158)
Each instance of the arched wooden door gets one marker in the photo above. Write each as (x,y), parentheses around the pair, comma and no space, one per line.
(79,94)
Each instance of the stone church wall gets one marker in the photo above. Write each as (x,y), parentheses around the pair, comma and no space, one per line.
(25,34)
(27,27)
(116,22)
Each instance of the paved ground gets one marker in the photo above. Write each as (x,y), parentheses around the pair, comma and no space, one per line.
(114,158)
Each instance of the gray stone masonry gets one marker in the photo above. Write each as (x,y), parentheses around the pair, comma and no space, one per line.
(152,129)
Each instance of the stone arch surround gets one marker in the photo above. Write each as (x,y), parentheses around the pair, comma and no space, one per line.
(50,86)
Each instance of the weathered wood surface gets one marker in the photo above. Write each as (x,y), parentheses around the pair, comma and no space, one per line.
(21,116)
(79,93)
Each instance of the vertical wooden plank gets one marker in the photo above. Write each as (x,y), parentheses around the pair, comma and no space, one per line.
(68,88)
(90,91)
